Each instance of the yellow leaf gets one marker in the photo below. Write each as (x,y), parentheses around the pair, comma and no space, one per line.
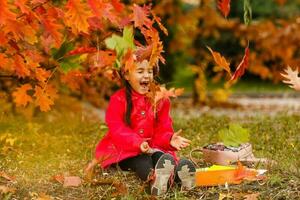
(220,60)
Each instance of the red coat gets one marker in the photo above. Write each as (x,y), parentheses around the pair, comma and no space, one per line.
(121,141)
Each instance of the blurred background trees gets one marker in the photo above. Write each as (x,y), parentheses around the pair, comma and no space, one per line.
(65,59)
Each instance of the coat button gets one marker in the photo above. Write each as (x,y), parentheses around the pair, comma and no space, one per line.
(141,131)
(143,112)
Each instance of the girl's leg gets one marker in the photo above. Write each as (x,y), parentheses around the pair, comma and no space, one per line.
(142,165)
(155,156)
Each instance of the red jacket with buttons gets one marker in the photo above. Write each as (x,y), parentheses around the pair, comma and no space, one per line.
(122,141)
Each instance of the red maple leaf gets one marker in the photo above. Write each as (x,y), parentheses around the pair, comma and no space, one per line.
(140,16)
(224,7)
(240,70)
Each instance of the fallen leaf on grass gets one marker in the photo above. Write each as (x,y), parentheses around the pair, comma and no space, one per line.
(6,176)
(4,189)
(59,178)
(251,196)
(67,181)
(72,181)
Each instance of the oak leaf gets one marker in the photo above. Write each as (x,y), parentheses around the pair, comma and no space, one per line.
(21,98)
(77,15)
(220,60)
(224,7)
(292,78)
(240,70)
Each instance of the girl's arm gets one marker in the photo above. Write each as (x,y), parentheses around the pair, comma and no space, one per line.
(163,130)
(122,136)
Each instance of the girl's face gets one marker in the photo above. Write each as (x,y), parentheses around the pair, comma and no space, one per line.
(140,77)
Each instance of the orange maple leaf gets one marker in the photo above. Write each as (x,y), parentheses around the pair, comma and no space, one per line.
(77,15)
(128,61)
(220,60)
(224,7)
(20,67)
(41,74)
(240,70)
(103,59)
(21,98)
(119,7)
(45,97)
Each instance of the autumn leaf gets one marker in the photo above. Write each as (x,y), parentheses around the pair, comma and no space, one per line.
(72,181)
(53,28)
(77,15)
(103,9)
(224,7)
(140,16)
(158,21)
(128,60)
(119,7)
(292,78)
(103,59)
(45,97)
(21,98)
(220,60)
(6,176)
(240,70)
(41,74)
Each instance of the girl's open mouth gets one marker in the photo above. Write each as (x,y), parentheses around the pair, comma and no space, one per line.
(145,84)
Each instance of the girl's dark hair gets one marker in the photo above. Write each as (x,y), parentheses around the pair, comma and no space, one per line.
(128,103)
(128,89)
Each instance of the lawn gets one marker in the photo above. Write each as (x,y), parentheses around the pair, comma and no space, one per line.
(62,143)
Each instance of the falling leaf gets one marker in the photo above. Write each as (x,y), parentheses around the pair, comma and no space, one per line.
(292,78)
(72,79)
(220,60)
(224,7)
(72,181)
(240,70)
(21,98)
(158,21)
(103,9)
(77,15)
(140,16)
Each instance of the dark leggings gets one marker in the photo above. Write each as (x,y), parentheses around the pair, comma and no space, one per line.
(141,164)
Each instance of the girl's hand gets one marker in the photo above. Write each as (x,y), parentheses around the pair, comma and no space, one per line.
(145,148)
(179,142)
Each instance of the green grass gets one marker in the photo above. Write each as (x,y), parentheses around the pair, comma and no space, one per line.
(63,143)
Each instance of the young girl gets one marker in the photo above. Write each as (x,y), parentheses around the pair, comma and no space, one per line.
(142,139)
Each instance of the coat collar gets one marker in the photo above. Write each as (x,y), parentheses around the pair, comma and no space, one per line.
(136,95)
